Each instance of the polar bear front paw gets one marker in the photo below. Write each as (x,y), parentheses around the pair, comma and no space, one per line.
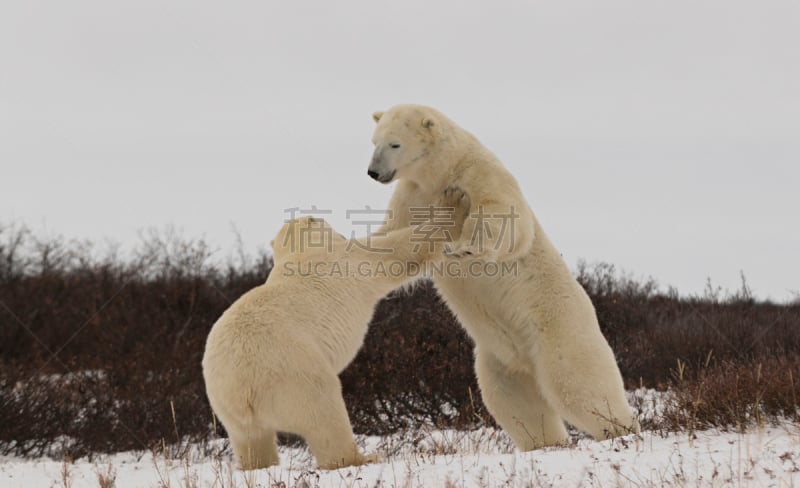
(453,196)
(456,199)
(456,250)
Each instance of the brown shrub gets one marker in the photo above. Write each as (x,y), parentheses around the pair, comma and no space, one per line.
(733,394)
(96,352)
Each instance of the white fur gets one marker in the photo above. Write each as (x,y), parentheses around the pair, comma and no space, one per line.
(272,359)
(540,357)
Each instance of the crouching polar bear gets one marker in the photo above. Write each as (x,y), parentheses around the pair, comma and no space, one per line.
(540,357)
(272,359)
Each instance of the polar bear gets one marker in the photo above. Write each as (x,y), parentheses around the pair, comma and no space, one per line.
(540,357)
(272,359)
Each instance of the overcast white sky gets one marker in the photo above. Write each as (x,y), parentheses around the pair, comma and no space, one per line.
(660,136)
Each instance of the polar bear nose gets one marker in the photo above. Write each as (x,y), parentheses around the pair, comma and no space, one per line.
(373,174)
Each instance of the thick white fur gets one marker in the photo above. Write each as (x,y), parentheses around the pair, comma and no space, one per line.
(272,359)
(540,357)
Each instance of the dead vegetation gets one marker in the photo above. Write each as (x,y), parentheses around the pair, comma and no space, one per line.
(101,352)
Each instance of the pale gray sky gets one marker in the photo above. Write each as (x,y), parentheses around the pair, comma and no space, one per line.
(660,136)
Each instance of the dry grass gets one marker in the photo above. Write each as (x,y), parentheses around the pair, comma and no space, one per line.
(106,476)
(66,472)
(461,459)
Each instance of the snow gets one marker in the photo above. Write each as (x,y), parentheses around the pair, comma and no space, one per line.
(768,456)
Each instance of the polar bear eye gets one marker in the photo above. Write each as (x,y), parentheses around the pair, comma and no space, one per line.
(394,145)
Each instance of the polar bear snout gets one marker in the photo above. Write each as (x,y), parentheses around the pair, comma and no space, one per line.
(382,166)
(377,168)
(382,177)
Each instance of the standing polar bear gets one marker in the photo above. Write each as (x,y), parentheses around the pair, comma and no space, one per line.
(540,357)
(272,359)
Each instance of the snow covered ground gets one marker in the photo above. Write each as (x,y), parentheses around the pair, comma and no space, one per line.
(764,457)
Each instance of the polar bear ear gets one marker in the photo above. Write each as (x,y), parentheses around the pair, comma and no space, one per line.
(427,122)
(377,116)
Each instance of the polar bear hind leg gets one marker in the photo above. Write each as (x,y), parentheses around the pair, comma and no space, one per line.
(590,397)
(254,447)
(317,413)
(517,404)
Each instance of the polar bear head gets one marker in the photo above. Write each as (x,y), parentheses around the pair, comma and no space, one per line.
(406,137)
(301,235)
